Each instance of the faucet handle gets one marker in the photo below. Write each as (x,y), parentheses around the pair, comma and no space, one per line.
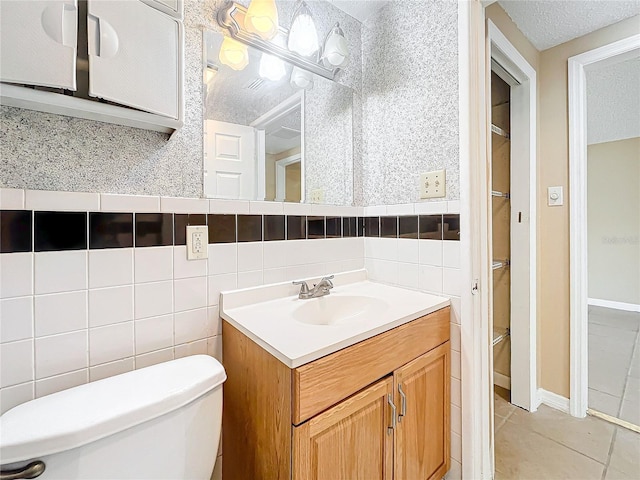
(327,280)
(304,288)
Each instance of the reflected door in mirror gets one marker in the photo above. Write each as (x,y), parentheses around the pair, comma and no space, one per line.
(230,160)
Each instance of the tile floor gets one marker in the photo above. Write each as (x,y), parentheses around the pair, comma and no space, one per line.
(551,445)
(614,363)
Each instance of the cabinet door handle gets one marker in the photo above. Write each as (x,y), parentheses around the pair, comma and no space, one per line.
(103,39)
(403,405)
(393,415)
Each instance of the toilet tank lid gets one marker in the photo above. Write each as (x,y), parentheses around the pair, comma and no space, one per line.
(72,418)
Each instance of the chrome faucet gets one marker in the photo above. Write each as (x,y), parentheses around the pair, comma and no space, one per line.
(319,290)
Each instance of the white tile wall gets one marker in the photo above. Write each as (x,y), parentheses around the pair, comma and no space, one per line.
(132,308)
(56,201)
(11,199)
(16,362)
(16,274)
(49,266)
(153,264)
(94,318)
(61,353)
(16,319)
(110,305)
(111,267)
(60,312)
(431,266)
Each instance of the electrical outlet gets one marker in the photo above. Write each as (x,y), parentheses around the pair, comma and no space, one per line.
(316,196)
(197,242)
(433,184)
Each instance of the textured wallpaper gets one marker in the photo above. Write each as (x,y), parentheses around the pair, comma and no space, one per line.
(403,71)
(410,100)
(53,152)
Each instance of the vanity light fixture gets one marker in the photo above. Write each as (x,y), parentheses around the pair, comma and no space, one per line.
(303,36)
(232,17)
(234,54)
(262,18)
(336,51)
(271,67)
(301,79)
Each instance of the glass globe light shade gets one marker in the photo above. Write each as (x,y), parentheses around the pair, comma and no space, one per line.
(303,36)
(336,50)
(262,18)
(234,54)
(271,68)
(301,79)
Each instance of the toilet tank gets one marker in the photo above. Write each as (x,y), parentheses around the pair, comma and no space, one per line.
(159,422)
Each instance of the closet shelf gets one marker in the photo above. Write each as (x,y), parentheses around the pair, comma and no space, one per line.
(498,131)
(498,264)
(495,193)
(500,334)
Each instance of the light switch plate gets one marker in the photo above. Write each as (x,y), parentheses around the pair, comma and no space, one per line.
(197,242)
(555,196)
(433,184)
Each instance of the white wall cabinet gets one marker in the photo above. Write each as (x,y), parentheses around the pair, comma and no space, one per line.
(135,60)
(39,42)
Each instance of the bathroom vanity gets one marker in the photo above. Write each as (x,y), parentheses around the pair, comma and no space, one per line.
(374,408)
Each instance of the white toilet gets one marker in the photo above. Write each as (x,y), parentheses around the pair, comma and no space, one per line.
(159,422)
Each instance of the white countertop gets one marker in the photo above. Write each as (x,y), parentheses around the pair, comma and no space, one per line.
(268,314)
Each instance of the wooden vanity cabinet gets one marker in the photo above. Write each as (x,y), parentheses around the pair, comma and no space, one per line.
(379,409)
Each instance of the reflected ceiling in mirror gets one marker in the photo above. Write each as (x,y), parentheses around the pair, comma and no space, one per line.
(268,139)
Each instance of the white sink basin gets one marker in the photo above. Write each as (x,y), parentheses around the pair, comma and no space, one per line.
(299,331)
(336,310)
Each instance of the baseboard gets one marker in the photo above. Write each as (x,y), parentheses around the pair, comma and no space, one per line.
(627,307)
(502,380)
(553,400)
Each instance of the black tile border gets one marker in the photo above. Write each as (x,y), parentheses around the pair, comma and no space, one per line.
(16,231)
(110,230)
(42,231)
(59,231)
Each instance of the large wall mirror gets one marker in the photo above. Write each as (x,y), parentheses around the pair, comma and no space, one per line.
(274,133)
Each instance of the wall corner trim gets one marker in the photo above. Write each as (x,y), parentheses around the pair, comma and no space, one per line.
(553,400)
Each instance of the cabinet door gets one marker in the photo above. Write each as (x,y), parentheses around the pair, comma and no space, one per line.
(38,42)
(423,433)
(350,441)
(135,55)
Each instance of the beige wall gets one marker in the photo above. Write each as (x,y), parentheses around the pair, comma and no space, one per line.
(553,252)
(553,170)
(613,219)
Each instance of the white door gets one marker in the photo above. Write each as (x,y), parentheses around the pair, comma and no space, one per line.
(134,55)
(230,161)
(38,42)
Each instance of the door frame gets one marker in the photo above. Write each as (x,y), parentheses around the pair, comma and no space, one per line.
(523,78)
(261,123)
(474,363)
(281,175)
(579,354)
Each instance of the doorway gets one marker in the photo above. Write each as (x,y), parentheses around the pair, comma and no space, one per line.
(604,171)
(512,207)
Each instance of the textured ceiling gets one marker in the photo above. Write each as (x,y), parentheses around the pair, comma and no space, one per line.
(547,23)
(359,9)
(613,102)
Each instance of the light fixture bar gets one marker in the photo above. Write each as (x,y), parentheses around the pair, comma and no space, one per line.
(232,16)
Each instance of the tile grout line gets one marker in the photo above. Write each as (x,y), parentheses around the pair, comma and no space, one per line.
(562,444)
(606,466)
(626,379)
